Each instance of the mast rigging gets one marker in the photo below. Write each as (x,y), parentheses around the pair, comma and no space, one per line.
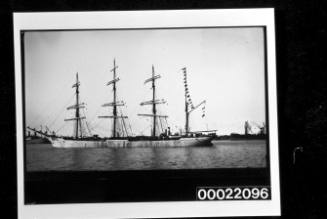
(188,102)
(153,102)
(114,104)
(77,106)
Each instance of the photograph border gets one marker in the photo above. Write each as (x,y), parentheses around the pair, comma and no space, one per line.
(159,20)
(174,189)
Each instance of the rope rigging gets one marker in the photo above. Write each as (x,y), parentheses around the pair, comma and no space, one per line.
(123,127)
(49,105)
(187,93)
(145,129)
(188,102)
(123,121)
(86,124)
(60,112)
(60,128)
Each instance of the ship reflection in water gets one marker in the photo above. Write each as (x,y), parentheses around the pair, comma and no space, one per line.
(223,154)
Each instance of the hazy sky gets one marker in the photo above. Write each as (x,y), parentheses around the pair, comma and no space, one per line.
(225,67)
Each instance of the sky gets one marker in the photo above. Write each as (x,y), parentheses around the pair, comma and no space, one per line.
(225,67)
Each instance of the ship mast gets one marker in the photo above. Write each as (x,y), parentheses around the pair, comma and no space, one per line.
(153,102)
(188,102)
(114,104)
(154,110)
(77,106)
(114,108)
(187,116)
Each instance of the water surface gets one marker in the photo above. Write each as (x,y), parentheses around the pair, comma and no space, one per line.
(223,154)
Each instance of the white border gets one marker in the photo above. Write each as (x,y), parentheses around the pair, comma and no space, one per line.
(149,19)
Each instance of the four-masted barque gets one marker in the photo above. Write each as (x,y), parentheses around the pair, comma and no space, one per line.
(156,139)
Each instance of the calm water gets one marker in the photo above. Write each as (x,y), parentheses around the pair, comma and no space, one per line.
(223,154)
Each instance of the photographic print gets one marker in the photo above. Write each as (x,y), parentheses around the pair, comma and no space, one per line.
(88,110)
(111,111)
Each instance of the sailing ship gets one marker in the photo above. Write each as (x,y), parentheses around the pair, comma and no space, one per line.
(156,139)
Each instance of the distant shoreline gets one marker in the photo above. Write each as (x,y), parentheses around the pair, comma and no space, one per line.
(241,137)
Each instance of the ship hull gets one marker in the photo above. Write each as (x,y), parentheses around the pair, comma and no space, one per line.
(125,143)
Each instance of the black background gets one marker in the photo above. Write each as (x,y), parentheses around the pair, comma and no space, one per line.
(301,77)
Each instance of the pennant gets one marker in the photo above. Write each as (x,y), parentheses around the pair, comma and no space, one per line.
(203,111)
